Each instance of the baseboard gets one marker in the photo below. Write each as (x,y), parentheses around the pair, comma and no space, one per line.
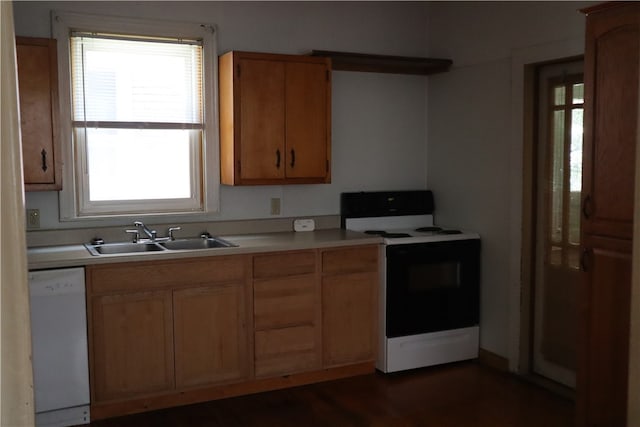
(187,397)
(492,360)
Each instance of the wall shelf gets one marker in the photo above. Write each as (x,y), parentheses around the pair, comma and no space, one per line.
(347,61)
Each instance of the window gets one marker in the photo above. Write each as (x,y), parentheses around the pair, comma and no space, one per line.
(565,168)
(139,116)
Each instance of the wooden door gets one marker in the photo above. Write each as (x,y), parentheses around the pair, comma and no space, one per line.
(38,94)
(211,341)
(132,344)
(557,228)
(262,119)
(307,120)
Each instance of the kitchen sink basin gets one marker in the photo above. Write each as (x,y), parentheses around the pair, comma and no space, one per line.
(124,248)
(199,243)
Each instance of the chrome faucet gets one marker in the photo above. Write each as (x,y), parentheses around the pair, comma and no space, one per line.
(152,234)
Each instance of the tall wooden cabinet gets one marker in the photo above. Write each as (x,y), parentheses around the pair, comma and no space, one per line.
(38,94)
(610,135)
(275,119)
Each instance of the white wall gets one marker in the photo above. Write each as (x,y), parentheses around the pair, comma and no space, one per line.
(474,134)
(378,129)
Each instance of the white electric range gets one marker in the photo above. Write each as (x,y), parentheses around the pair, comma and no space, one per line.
(430,287)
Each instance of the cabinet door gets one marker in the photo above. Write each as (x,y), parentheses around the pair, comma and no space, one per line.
(307,120)
(275,119)
(348,318)
(611,113)
(132,344)
(262,118)
(349,304)
(602,375)
(38,94)
(210,335)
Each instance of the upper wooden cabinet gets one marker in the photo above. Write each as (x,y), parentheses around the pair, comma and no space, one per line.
(611,115)
(38,87)
(275,119)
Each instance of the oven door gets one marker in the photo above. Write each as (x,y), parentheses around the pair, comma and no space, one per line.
(432,287)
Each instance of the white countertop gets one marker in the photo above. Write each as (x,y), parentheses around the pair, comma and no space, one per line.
(78,255)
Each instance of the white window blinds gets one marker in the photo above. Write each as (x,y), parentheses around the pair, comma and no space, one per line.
(138,83)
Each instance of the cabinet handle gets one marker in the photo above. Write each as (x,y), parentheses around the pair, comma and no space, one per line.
(585,259)
(293,157)
(587,207)
(278,158)
(43,153)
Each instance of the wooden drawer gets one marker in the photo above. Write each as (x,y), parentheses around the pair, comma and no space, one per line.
(287,350)
(285,302)
(284,264)
(161,274)
(350,260)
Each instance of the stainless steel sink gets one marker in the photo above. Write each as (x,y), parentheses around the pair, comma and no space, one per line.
(197,243)
(123,248)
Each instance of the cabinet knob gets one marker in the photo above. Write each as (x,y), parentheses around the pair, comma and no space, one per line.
(587,207)
(278,158)
(293,157)
(43,153)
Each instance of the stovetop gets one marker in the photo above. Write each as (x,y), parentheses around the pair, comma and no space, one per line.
(399,217)
(405,229)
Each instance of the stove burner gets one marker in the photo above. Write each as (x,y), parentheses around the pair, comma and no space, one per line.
(386,234)
(378,232)
(450,232)
(428,229)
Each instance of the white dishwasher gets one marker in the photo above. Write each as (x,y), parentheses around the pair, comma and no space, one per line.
(59,341)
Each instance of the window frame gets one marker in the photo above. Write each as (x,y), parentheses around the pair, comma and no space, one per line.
(63,24)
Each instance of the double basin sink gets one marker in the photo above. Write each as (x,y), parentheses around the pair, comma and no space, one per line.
(123,248)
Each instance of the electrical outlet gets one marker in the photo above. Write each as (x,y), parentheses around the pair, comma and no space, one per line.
(275,206)
(33,218)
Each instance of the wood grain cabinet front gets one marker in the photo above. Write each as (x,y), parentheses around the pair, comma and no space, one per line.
(210,335)
(286,313)
(38,95)
(174,332)
(132,344)
(612,73)
(275,119)
(161,327)
(350,278)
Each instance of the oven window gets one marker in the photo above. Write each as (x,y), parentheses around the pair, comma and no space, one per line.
(429,277)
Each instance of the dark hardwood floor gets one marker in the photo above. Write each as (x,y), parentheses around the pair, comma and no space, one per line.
(454,395)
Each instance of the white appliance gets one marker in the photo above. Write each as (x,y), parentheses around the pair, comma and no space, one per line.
(59,342)
(429,294)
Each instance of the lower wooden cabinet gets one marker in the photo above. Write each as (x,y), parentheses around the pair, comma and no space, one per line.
(168,333)
(350,280)
(160,327)
(210,335)
(132,337)
(286,313)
